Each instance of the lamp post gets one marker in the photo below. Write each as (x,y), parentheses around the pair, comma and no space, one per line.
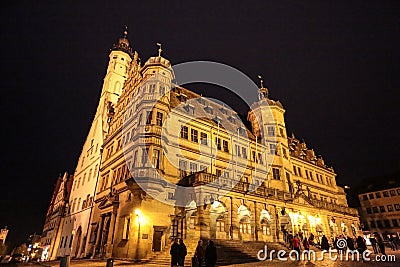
(138,215)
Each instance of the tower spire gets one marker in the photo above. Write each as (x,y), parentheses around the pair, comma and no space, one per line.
(261,81)
(126,32)
(159,49)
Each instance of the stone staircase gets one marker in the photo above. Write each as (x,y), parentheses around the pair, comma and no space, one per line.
(236,251)
(228,251)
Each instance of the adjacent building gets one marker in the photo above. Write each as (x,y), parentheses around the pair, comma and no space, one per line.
(380,211)
(51,236)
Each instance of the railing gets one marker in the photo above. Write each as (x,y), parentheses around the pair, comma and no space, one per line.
(203,178)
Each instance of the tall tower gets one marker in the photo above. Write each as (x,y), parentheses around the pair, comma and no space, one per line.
(268,123)
(75,235)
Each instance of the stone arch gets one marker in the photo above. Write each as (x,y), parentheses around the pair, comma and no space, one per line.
(77,237)
(218,220)
(266,222)
(244,215)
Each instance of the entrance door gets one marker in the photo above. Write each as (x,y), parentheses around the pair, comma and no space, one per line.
(157,240)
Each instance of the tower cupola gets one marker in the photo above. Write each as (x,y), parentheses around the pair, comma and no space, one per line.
(123,44)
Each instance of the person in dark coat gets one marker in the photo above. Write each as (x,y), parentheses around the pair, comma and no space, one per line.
(174,253)
(182,253)
(324,243)
(374,245)
(350,243)
(381,245)
(199,253)
(361,247)
(210,254)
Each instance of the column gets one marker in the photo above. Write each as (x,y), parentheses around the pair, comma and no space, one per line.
(233,221)
(110,238)
(203,213)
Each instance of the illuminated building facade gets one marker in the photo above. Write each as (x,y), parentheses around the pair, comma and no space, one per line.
(76,224)
(51,235)
(380,211)
(164,172)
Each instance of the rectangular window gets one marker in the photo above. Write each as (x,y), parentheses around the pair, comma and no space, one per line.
(397,206)
(386,194)
(65,241)
(386,223)
(244,152)
(369,211)
(193,167)
(379,224)
(260,158)
(375,209)
(392,193)
(276,173)
(149,117)
(170,195)
(144,156)
(365,197)
(382,208)
(182,168)
(378,195)
(194,135)
(237,150)
(184,132)
(395,223)
(390,208)
(203,138)
(62,239)
(271,130)
(218,143)
(174,228)
(225,145)
(272,149)
(156,158)
(371,196)
(159,119)
(218,172)
(125,232)
(152,88)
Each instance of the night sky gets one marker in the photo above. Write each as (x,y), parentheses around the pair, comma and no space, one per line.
(333,64)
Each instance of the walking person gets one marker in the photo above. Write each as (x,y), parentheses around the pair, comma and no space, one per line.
(210,254)
(306,246)
(374,244)
(350,243)
(182,253)
(361,247)
(296,246)
(174,251)
(199,253)
(381,245)
(324,243)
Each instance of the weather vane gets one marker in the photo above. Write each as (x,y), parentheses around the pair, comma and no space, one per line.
(159,49)
(126,31)
(261,81)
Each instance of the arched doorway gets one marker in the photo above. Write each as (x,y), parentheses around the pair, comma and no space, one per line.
(266,223)
(77,236)
(218,216)
(244,222)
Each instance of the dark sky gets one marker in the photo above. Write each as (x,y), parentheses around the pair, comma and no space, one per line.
(333,65)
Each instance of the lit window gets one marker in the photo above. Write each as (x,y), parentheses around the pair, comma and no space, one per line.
(225,145)
(203,138)
(271,130)
(184,132)
(276,173)
(272,149)
(390,208)
(194,135)
(159,119)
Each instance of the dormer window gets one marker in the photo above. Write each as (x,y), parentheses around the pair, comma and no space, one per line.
(232,119)
(201,101)
(189,109)
(209,110)
(223,111)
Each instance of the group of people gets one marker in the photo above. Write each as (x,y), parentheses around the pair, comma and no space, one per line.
(203,255)
(378,243)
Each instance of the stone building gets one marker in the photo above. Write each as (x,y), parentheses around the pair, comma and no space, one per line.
(176,164)
(51,236)
(380,211)
(77,220)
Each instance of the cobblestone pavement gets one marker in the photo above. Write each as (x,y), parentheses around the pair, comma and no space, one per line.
(324,263)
